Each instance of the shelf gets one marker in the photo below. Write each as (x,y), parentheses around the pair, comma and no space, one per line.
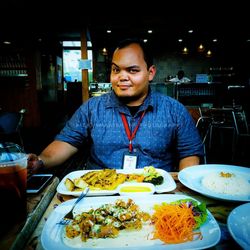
(13,73)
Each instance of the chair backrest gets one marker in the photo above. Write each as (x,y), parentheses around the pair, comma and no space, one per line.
(230,118)
(10,126)
(240,121)
(222,117)
(195,112)
(10,122)
(203,125)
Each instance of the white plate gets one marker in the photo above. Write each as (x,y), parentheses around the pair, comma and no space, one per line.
(53,234)
(191,177)
(167,185)
(238,223)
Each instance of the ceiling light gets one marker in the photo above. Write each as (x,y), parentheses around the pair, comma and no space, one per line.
(150,31)
(6,42)
(201,48)
(108,31)
(104,51)
(185,51)
(209,53)
(180,40)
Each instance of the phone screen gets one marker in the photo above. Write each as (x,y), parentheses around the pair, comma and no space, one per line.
(37,182)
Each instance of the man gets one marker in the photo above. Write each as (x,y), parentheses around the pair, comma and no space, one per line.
(180,78)
(130,127)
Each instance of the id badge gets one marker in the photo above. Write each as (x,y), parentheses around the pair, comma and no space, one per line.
(129,161)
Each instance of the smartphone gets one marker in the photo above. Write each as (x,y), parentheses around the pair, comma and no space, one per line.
(37,182)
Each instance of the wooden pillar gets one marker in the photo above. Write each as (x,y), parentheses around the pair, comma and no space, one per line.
(84,54)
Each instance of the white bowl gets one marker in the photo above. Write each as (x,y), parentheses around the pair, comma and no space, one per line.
(136,188)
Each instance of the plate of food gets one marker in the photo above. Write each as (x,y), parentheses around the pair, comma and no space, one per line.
(165,221)
(238,223)
(107,181)
(226,182)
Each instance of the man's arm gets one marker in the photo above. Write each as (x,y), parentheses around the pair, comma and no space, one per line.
(57,153)
(188,161)
(54,154)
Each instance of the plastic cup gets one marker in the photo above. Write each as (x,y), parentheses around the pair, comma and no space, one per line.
(13,184)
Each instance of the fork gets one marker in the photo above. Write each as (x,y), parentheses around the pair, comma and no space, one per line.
(67,218)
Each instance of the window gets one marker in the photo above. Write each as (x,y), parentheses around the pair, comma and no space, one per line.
(71,59)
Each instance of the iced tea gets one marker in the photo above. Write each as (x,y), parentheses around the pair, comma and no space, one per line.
(13,208)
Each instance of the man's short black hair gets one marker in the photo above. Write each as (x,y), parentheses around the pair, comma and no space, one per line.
(146,51)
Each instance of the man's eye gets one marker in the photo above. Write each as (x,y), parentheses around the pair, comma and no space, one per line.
(133,70)
(115,70)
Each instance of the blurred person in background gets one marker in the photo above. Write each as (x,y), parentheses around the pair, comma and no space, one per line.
(180,78)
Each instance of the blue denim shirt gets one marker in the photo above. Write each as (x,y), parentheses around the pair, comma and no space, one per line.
(167,131)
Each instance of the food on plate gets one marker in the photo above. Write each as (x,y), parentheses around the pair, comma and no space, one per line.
(132,188)
(70,185)
(135,189)
(152,175)
(80,183)
(96,180)
(149,175)
(107,179)
(135,177)
(110,179)
(76,185)
(227,183)
(107,221)
(226,175)
(176,222)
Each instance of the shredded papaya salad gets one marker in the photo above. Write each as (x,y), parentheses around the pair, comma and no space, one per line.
(178,221)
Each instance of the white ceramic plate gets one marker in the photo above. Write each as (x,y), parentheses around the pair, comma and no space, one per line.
(53,236)
(167,185)
(238,223)
(191,177)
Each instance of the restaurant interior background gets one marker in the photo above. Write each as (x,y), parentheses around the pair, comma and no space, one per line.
(34,73)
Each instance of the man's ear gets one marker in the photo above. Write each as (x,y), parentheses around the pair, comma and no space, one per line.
(152,72)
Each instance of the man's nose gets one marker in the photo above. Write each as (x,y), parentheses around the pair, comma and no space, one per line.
(123,75)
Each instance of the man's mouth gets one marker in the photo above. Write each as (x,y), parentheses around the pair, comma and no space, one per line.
(123,86)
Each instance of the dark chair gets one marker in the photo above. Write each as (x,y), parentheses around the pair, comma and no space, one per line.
(10,127)
(230,119)
(242,136)
(194,111)
(203,125)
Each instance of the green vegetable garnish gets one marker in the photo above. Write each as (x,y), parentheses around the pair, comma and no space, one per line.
(152,176)
(199,210)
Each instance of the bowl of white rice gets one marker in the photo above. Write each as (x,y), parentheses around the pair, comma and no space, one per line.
(226,183)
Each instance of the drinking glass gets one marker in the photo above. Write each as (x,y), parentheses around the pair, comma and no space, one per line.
(13,184)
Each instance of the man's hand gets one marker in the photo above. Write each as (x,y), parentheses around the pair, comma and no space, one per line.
(34,164)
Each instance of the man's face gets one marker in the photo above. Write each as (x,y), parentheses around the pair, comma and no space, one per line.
(129,74)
